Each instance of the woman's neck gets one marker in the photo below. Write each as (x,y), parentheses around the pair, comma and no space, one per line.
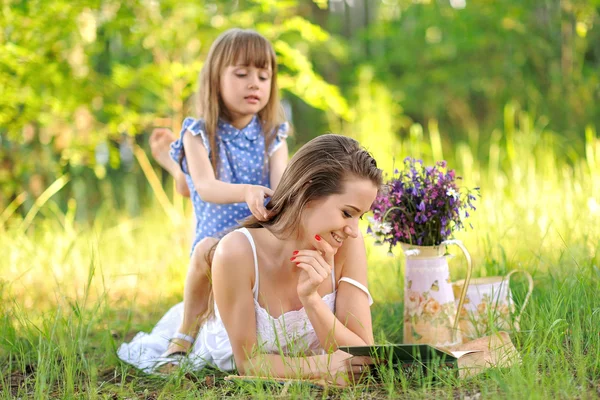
(282,249)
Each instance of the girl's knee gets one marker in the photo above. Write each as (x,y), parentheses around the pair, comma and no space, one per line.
(201,253)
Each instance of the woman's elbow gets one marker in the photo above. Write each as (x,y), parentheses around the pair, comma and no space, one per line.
(245,367)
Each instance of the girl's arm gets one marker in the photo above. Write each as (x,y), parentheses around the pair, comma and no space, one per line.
(213,190)
(277,163)
(181,185)
(351,324)
(232,273)
(160,140)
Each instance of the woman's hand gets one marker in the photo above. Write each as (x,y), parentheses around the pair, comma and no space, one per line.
(345,369)
(316,267)
(255,196)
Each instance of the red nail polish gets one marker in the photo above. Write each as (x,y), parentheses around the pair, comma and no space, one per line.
(295,252)
(318,238)
(292,259)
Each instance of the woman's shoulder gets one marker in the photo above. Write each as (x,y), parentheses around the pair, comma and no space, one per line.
(351,244)
(352,249)
(245,243)
(234,246)
(234,255)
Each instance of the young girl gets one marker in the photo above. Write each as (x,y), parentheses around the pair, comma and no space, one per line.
(231,157)
(289,291)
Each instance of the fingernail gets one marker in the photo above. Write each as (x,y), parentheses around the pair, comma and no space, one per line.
(292,259)
(318,238)
(295,252)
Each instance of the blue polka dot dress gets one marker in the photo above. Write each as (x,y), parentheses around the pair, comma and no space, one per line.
(241,160)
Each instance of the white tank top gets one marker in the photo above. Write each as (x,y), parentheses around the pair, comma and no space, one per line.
(292,332)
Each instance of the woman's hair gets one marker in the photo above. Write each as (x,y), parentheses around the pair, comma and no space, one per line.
(237,47)
(319,169)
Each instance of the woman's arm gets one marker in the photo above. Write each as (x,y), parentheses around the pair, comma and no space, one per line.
(339,367)
(351,325)
(232,273)
(277,163)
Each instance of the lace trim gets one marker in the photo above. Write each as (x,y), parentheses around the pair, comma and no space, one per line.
(292,313)
(291,332)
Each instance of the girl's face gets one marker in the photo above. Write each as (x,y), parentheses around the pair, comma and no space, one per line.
(245,90)
(335,218)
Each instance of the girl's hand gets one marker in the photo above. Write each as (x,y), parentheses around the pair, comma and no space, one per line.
(160,142)
(255,196)
(345,369)
(316,268)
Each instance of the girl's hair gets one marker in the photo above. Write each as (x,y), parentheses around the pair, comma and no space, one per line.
(237,47)
(319,169)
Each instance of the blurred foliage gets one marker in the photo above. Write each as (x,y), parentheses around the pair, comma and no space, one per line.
(459,62)
(80,80)
(84,82)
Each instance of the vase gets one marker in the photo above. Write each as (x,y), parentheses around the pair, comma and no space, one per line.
(489,305)
(430,312)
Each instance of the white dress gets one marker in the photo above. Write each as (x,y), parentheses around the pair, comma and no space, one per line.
(289,334)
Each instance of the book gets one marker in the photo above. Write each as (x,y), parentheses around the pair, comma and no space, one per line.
(470,358)
(408,354)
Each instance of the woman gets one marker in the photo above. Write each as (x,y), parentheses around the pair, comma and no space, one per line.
(290,290)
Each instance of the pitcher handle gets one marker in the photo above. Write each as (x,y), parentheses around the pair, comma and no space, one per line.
(529,291)
(463,293)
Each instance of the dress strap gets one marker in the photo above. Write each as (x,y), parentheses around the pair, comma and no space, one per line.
(358,285)
(251,240)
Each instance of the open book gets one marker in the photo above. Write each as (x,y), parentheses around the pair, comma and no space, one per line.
(408,354)
(468,358)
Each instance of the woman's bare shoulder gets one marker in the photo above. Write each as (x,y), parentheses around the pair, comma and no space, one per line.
(352,249)
(234,253)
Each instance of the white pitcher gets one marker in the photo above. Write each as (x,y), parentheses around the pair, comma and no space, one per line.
(429,308)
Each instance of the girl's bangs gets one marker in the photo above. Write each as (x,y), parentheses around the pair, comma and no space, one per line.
(250,49)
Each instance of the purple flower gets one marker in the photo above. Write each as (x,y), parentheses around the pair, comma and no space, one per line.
(421,205)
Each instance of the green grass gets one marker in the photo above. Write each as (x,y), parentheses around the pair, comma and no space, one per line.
(70,294)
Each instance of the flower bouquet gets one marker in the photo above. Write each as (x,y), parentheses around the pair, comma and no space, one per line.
(420,206)
(419,209)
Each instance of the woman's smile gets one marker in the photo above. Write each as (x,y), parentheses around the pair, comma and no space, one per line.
(338,239)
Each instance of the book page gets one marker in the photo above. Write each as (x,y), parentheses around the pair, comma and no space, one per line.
(459,354)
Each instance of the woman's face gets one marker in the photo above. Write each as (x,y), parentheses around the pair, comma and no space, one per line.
(335,218)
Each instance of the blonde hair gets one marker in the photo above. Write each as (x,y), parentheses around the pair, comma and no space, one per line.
(237,47)
(319,169)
